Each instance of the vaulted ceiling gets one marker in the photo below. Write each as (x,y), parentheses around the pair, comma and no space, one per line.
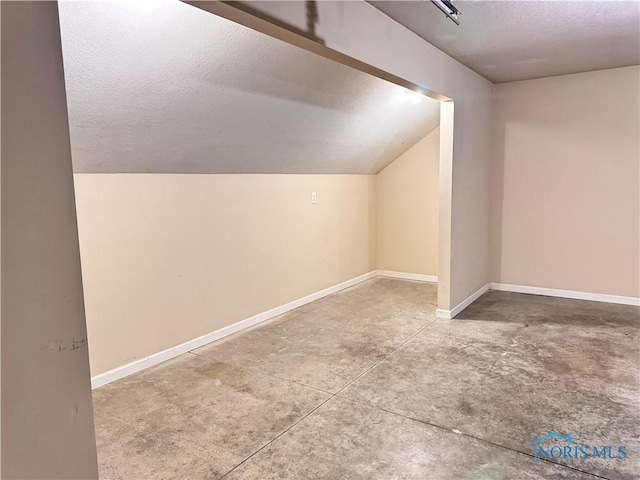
(163,87)
(513,40)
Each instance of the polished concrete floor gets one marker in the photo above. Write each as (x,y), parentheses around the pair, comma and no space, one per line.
(367,384)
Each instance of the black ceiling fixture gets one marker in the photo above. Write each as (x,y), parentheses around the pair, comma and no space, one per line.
(446,6)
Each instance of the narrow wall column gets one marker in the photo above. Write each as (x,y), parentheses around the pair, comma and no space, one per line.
(444,205)
(47,417)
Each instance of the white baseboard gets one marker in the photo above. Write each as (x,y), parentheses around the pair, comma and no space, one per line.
(552,292)
(156,358)
(408,276)
(449,314)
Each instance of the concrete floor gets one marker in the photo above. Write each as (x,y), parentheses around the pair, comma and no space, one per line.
(367,384)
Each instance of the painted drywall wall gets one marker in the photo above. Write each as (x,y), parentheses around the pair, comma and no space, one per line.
(361,31)
(47,416)
(566,199)
(161,87)
(168,258)
(407,210)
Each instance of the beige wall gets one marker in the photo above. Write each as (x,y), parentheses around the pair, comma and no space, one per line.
(168,258)
(47,416)
(407,209)
(566,182)
(354,29)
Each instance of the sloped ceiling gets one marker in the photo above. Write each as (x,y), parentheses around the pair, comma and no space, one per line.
(163,87)
(505,41)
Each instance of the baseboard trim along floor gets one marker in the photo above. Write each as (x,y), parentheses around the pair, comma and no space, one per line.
(408,276)
(449,314)
(157,358)
(552,292)
(163,356)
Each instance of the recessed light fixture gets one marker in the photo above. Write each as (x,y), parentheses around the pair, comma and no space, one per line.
(446,6)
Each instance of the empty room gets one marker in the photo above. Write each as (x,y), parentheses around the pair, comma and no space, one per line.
(320,240)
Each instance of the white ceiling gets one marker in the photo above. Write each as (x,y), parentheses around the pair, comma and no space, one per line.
(513,40)
(163,87)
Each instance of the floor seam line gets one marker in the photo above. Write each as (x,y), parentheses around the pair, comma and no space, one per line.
(277,437)
(387,356)
(293,381)
(458,432)
(333,395)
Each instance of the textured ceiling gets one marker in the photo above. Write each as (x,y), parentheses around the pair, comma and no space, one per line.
(513,40)
(163,87)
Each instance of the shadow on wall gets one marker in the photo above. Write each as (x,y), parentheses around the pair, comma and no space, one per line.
(311,15)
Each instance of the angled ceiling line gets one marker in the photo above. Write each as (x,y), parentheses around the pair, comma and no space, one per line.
(294,37)
(164,87)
